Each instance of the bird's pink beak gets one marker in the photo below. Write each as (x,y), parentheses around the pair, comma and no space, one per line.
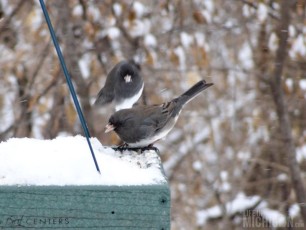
(109,127)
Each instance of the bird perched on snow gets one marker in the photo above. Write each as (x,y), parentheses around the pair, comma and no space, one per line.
(123,85)
(142,126)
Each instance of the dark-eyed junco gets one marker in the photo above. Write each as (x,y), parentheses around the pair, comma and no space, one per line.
(123,85)
(142,126)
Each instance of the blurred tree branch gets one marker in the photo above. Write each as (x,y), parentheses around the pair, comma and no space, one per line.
(24,127)
(281,107)
(253,5)
(72,54)
(6,20)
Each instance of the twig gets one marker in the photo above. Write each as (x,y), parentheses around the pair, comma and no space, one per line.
(39,65)
(271,164)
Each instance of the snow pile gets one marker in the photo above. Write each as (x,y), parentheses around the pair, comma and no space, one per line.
(239,204)
(274,217)
(68,161)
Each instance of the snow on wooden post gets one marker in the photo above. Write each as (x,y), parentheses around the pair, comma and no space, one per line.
(52,184)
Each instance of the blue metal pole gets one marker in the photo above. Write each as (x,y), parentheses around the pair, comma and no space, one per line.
(69,82)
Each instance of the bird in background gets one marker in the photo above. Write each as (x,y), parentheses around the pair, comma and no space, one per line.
(123,86)
(141,126)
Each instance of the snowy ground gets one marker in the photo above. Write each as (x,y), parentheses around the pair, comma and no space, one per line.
(241,203)
(68,161)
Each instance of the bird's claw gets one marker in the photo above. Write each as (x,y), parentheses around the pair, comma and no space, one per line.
(150,148)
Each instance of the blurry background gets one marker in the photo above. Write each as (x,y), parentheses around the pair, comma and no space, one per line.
(228,159)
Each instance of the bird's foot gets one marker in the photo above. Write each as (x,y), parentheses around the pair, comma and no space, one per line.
(121,147)
(125,147)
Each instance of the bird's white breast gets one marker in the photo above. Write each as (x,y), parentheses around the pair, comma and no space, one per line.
(158,136)
(129,102)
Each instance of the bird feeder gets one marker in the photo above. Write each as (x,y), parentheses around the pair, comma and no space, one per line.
(43,186)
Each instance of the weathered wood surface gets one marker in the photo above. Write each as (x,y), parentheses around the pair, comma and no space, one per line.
(85,207)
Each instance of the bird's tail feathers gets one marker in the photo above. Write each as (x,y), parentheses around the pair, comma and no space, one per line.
(194,91)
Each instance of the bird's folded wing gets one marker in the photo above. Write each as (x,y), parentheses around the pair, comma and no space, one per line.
(157,116)
(104,97)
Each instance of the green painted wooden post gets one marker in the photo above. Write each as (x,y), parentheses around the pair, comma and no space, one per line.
(85,207)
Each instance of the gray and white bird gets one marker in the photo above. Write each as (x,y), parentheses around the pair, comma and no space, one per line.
(124,85)
(141,126)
